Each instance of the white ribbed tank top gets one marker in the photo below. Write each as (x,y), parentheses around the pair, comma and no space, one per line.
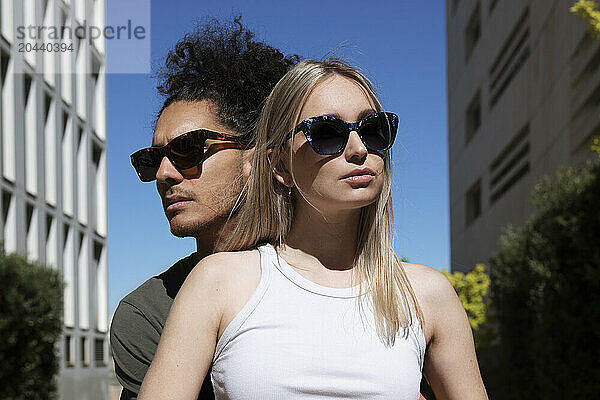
(295,339)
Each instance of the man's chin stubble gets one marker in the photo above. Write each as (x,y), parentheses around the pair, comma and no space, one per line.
(197,230)
(187,231)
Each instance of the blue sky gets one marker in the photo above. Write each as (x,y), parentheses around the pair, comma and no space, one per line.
(401,47)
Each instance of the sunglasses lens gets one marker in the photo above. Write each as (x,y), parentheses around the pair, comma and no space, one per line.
(379,132)
(328,137)
(187,151)
(146,163)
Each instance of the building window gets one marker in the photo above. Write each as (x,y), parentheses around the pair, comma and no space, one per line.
(29,19)
(68,274)
(79,11)
(81,76)
(82,176)
(98,185)
(510,165)
(31,143)
(8,111)
(473,117)
(95,175)
(510,59)
(66,67)
(9,221)
(51,242)
(85,351)
(3,121)
(44,6)
(50,153)
(473,32)
(83,282)
(69,351)
(31,232)
(96,112)
(49,58)
(6,19)
(47,105)
(101,291)
(99,353)
(473,201)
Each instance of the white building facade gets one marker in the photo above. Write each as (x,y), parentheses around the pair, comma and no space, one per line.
(53,171)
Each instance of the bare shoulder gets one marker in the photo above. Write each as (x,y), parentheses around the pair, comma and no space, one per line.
(222,270)
(450,359)
(230,278)
(435,296)
(430,285)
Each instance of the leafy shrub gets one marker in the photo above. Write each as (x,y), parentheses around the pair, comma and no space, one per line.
(472,289)
(546,291)
(586,9)
(30,325)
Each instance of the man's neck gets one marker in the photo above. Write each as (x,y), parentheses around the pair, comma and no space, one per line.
(214,237)
(204,247)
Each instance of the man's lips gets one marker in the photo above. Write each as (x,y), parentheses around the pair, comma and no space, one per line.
(174,203)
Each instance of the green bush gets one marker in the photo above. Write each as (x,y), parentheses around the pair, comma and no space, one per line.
(546,292)
(30,324)
(586,9)
(472,288)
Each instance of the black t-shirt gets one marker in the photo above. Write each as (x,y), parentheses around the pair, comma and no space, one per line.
(138,323)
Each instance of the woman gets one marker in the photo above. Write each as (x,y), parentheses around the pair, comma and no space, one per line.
(323,308)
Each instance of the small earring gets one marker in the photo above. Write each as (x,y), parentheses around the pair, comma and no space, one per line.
(290,191)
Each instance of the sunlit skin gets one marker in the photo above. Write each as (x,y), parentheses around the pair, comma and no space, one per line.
(321,247)
(198,205)
(322,178)
(328,202)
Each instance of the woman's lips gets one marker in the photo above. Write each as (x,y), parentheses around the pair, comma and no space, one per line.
(359,179)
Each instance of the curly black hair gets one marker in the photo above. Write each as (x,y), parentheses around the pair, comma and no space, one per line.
(222,62)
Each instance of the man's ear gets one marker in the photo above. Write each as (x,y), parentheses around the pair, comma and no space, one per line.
(280,170)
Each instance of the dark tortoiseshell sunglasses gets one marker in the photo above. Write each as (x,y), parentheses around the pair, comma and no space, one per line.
(186,152)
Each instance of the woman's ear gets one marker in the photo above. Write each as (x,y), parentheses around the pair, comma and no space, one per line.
(247,156)
(280,171)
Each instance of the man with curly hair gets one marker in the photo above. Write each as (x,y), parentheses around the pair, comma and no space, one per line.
(214,79)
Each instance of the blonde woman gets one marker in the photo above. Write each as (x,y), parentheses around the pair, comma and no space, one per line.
(317,305)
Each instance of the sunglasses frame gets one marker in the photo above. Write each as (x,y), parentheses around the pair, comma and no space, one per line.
(306,125)
(165,151)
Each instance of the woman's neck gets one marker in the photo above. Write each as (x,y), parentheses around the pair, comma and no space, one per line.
(322,247)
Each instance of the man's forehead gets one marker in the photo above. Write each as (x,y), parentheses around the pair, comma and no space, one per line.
(184,116)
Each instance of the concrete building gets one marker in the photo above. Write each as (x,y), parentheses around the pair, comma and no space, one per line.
(53,172)
(523,98)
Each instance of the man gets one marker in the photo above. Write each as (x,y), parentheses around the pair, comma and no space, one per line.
(215,81)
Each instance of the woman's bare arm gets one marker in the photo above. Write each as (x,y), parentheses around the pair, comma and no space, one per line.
(189,337)
(450,361)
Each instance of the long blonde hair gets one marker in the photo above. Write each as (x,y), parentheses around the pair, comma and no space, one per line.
(267,207)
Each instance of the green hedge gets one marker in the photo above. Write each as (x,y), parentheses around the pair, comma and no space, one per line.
(30,325)
(546,292)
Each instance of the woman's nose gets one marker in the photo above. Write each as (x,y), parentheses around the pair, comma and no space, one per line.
(355,148)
